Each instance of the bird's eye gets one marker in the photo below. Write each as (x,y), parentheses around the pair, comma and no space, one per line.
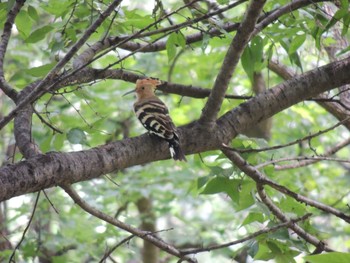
(142,87)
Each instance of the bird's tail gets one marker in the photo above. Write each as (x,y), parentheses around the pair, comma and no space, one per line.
(175,151)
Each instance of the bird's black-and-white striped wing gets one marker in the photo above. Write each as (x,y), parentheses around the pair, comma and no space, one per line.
(154,116)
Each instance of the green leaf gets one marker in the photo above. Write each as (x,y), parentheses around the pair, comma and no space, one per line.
(77,136)
(222,185)
(23,24)
(341,13)
(345,50)
(346,23)
(289,204)
(201,181)
(39,34)
(83,94)
(223,2)
(205,41)
(253,248)
(175,40)
(253,217)
(256,47)
(58,141)
(247,61)
(139,22)
(57,8)
(33,13)
(338,257)
(296,43)
(41,70)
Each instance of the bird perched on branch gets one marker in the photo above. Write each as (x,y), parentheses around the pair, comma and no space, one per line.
(154,115)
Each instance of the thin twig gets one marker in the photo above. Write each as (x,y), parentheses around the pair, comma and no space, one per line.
(5,37)
(249,237)
(46,123)
(276,211)
(302,163)
(44,85)
(48,199)
(113,221)
(301,158)
(259,177)
(112,249)
(313,135)
(26,229)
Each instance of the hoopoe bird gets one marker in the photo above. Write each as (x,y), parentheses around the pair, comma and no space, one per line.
(154,115)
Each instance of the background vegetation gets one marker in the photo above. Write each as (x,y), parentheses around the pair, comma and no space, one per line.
(72,60)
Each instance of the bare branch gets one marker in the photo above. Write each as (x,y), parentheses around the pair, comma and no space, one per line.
(23,127)
(264,21)
(90,75)
(5,37)
(306,138)
(109,44)
(320,245)
(111,220)
(112,249)
(260,178)
(311,159)
(235,50)
(42,87)
(26,229)
(249,237)
(301,163)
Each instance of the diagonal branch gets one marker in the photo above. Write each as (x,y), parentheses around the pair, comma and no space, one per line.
(249,237)
(320,245)
(264,21)
(5,37)
(334,107)
(235,50)
(113,221)
(108,44)
(23,127)
(42,86)
(260,178)
(306,162)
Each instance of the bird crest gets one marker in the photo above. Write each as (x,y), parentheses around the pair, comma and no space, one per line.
(148,81)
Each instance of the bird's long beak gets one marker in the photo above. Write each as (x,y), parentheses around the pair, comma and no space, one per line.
(131,91)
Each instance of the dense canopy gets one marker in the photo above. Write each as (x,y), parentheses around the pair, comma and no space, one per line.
(259,91)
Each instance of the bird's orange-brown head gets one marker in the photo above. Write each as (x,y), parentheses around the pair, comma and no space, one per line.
(145,88)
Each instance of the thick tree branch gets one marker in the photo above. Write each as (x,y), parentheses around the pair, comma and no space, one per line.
(5,37)
(54,168)
(235,50)
(23,128)
(337,109)
(44,85)
(280,97)
(146,235)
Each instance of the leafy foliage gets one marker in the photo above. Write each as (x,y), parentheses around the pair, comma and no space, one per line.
(207,200)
